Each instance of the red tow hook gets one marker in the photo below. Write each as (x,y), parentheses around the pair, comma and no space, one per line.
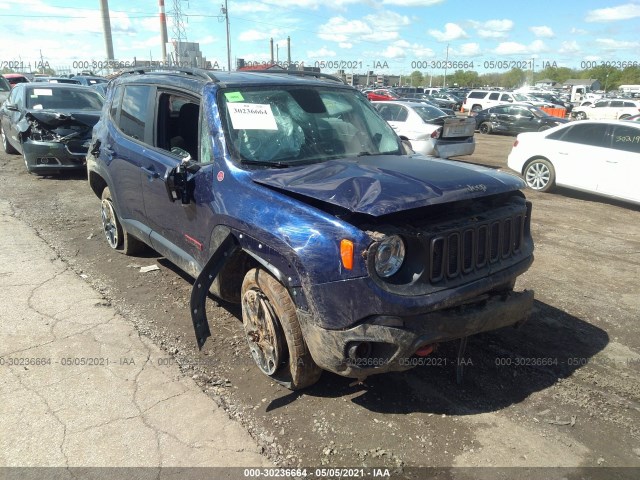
(424,351)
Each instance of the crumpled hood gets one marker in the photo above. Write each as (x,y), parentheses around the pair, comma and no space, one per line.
(383,184)
(55,119)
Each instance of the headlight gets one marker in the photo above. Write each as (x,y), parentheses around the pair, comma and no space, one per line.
(389,256)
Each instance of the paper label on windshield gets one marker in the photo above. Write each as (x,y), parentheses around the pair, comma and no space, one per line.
(252,116)
(43,91)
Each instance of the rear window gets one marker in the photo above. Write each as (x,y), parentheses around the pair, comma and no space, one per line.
(477,95)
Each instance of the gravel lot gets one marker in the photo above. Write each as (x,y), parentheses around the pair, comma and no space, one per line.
(563,390)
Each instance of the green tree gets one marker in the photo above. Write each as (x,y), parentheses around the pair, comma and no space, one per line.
(416,78)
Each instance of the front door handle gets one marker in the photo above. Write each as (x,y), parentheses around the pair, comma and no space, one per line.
(150,172)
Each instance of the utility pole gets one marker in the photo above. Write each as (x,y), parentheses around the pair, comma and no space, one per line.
(106,26)
(444,83)
(225,11)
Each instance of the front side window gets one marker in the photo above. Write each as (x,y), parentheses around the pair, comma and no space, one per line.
(297,124)
(586,134)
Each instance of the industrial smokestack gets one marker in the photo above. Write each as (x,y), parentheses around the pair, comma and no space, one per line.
(271,42)
(106,26)
(288,50)
(163,30)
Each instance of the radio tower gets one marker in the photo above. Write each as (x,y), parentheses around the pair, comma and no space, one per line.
(179,32)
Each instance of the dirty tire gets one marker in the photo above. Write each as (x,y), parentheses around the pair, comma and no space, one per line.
(6,146)
(540,175)
(265,298)
(116,236)
(485,128)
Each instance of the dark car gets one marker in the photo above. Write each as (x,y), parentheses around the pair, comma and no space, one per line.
(438,102)
(90,80)
(50,125)
(515,118)
(287,193)
(450,97)
(71,81)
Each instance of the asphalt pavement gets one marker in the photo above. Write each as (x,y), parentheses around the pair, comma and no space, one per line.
(80,387)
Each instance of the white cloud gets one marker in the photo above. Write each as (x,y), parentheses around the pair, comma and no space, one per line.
(577,31)
(207,40)
(514,48)
(393,52)
(256,35)
(422,52)
(468,50)
(380,36)
(321,53)
(346,45)
(542,31)
(493,28)
(570,47)
(248,7)
(621,12)
(610,44)
(339,29)
(451,31)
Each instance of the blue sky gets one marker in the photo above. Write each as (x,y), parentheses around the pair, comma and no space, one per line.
(387,36)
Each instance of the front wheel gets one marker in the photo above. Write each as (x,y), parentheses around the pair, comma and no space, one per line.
(485,127)
(273,332)
(624,117)
(540,175)
(6,146)
(581,116)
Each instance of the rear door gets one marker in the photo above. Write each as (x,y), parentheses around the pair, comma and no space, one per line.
(129,133)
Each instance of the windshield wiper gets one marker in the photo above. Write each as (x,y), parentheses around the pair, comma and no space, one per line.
(266,163)
(364,154)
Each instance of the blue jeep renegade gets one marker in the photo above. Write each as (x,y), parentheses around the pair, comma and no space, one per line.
(288,193)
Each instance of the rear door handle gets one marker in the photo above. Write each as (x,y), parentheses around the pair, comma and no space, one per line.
(150,172)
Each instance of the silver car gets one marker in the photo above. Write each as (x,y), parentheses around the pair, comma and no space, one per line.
(430,130)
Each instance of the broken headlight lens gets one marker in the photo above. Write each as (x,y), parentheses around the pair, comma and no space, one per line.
(389,256)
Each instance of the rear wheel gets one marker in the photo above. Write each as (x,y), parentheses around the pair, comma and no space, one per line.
(485,127)
(624,117)
(540,175)
(117,237)
(476,108)
(7,147)
(581,116)
(273,332)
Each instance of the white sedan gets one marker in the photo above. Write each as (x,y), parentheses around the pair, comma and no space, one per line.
(430,130)
(601,157)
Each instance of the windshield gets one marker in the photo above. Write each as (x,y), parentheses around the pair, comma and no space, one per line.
(297,124)
(43,98)
(4,85)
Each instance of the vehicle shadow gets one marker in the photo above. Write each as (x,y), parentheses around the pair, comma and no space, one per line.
(64,175)
(500,368)
(590,197)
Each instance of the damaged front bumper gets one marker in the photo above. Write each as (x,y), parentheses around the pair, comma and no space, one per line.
(388,343)
(48,155)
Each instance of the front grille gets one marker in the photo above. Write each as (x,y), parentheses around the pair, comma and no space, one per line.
(456,253)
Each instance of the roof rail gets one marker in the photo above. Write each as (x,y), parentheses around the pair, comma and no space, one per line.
(196,72)
(299,73)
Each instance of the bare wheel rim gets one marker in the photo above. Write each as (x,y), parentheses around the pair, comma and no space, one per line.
(262,331)
(538,175)
(109,224)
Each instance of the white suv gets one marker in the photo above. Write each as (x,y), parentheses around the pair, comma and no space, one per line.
(610,109)
(480,99)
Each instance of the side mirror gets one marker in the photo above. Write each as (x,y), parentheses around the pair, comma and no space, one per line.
(179,181)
